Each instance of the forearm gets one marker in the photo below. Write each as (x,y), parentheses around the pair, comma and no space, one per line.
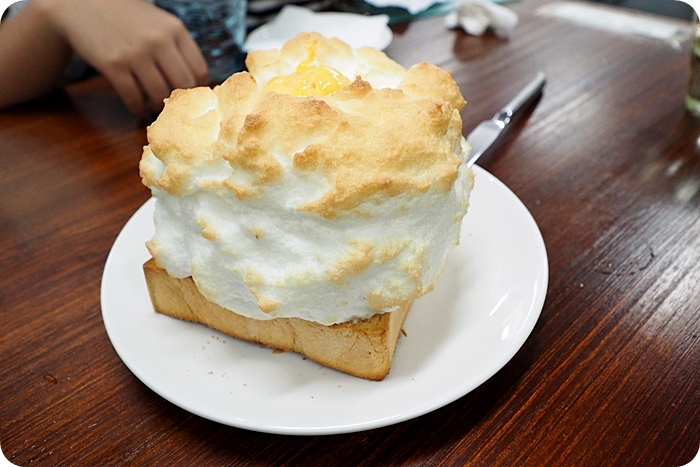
(33,55)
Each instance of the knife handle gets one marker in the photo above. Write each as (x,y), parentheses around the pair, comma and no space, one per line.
(523,97)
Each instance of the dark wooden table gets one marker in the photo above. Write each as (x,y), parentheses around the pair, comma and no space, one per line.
(609,165)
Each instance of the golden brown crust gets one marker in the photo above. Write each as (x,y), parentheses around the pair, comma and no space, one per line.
(428,81)
(363,348)
(351,138)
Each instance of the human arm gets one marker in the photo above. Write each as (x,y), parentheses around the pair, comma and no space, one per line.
(32,56)
(143,51)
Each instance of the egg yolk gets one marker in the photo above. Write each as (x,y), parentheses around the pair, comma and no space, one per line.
(309,80)
(313,80)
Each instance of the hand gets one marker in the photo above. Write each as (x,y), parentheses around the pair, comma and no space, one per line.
(143,51)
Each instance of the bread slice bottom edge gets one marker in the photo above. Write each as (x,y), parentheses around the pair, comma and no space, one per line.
(363,348)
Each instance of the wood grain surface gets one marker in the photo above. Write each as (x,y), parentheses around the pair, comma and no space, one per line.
(609,166)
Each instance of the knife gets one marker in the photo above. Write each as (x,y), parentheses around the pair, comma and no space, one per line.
(487,132)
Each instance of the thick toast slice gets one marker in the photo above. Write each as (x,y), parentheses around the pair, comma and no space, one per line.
(363,348)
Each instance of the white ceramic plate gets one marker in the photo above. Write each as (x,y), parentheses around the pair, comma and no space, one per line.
(355,30)
(482,309)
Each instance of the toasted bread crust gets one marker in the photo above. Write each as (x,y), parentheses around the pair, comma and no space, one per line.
(362,348)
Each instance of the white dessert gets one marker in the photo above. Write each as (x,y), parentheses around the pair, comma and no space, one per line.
(328,205)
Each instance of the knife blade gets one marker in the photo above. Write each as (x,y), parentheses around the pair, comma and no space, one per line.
(487,132)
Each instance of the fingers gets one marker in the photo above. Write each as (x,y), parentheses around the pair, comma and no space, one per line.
(175,62)
(141,89)
(154,85)
(129,91)
(192,56)
(181,70)
(146,81)
(179,57)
